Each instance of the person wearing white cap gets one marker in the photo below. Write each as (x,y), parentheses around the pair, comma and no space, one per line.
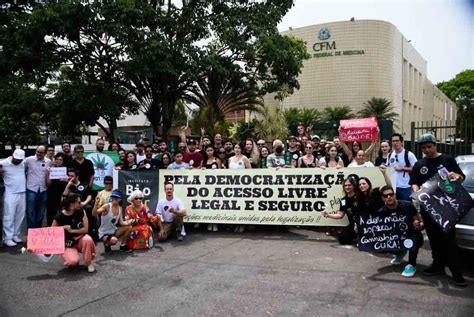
(13,170)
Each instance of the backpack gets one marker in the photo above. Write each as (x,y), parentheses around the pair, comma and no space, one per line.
(407,161)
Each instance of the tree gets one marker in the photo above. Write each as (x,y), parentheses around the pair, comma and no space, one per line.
(304,116)
(337,113)
(380,108)
(272,125)
(460,89)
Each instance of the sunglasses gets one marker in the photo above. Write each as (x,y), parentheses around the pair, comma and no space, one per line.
(107,183)
(388,195)
(138,198)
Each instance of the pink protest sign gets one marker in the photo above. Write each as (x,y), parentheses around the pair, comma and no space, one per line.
(364,129)
(48,240)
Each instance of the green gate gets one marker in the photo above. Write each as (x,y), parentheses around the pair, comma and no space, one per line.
(454,138)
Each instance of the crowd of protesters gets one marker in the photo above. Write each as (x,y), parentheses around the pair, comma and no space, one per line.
(89,217)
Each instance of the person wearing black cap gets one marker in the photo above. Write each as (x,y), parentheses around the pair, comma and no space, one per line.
(112,226)
(444,249)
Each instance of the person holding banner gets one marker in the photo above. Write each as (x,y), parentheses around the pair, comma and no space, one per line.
(444,249)
(75,223)
(239,161)
(140,217)
(165,161)
(112,226)
(404,207)
(178,163)
(349,204)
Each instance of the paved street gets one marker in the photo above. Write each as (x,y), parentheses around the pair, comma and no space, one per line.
(260,273)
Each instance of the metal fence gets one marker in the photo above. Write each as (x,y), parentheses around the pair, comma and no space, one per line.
(454,137)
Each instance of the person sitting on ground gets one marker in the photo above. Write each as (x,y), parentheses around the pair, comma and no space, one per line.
(360,161)
(75,223)
(171,212)
(112,225)
(140,218)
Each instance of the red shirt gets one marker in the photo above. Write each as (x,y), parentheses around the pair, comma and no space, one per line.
(196,157)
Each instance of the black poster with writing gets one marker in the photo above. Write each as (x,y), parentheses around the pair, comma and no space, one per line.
(144,180)
(446,203)
(385,231)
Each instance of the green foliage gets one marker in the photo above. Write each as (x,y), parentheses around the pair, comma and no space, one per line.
(337,113)
(121,55)
(460,89)
(272,125)
(380,108)
(180,118)
(304,116)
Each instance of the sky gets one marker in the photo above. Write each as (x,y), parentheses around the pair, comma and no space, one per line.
(441,31)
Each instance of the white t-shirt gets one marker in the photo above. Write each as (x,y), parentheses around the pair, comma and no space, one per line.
(162,209)
(140,158)
(366,164)
(400,179)
(14,176)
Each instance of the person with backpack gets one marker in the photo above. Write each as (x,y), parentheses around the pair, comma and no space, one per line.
(402,162)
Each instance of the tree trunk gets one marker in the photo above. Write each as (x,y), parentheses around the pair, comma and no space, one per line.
(106,131)
(112,128)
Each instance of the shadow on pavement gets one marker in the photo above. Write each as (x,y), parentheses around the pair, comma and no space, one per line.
(66,274)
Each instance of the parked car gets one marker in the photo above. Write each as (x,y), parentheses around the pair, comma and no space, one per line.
(465,227)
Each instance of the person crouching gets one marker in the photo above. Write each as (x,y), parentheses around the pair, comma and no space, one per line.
(76,224)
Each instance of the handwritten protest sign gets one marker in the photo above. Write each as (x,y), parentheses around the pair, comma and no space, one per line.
(385,231)
(364,129)
(57,172)
(445,209)
(263,196)
(48,240)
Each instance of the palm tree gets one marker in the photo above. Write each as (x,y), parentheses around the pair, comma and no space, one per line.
(380,108)
(337,113)
(216,96)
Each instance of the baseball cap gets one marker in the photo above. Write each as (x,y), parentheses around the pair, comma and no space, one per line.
(192,141)
(426,138)
(292,138)
(314,136)
(116,193)
(19,154)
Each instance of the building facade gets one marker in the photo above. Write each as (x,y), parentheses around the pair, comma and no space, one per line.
(353,61)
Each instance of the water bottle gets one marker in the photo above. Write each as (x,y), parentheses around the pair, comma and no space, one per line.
(443,173)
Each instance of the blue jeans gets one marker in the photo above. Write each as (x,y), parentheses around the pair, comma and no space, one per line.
(404,193)
(35,206)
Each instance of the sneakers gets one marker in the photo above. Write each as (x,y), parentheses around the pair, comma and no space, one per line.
(215,228)
(183,231)
(45,257)
(398,258)
(125,248)
(459,280)
(17,240)
(180,238)
(9,243)
(91,268)
(409,271)
(209,227)
(434,270)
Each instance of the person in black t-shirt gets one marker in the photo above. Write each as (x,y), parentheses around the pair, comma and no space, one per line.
(83,166)
(444,249)
(84,192)
(349,207)
(149,163)
(75,223)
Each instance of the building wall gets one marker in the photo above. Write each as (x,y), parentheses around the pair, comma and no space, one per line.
(384,65)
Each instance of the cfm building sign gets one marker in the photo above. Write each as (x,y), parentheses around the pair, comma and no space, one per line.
(326,48)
